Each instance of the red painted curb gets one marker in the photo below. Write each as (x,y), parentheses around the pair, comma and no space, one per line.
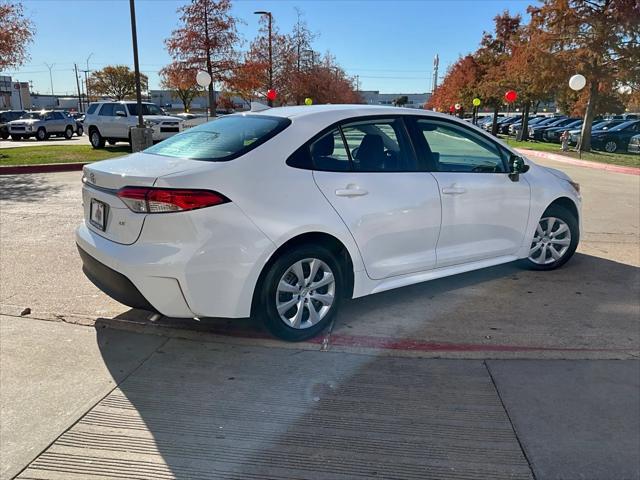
(579,163)
(42,168)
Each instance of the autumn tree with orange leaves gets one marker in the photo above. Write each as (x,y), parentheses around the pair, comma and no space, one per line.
(16,33)
(180,79)
(207,39)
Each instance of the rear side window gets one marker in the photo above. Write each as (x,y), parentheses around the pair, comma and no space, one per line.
(106,110)
(92,109)
(328,153)
(222,139)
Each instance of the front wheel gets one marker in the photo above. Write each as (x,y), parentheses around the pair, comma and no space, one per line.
(555,240)
(80,131)
(611,146)
(97,141)
(68,133)
(300,293)
(42,134)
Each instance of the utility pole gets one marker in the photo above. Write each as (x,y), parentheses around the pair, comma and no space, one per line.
(50,76)
(270,16)
(75,66)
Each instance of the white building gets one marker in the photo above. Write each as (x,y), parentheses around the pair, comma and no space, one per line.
(14,95)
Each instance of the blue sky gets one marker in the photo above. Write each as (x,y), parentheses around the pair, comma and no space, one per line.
(389,44)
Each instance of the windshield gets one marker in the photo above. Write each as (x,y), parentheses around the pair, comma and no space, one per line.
(147,109)
(36,115)
(221,139)
(622,126)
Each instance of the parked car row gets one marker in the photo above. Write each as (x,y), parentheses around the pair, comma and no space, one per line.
(40,124)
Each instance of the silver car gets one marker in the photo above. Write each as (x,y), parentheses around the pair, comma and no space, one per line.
(41,125)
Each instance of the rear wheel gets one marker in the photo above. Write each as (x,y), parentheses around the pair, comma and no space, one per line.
(300,293)
(80,131)
(42,134)
(68,132)
(97,141)
(555,240)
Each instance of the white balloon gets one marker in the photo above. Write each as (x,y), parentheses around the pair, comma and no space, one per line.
(203,78)
(577,82)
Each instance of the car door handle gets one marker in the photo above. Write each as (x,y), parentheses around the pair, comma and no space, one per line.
(351,191)
(454,190)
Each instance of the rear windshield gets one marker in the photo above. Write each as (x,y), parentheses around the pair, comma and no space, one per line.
(222,139)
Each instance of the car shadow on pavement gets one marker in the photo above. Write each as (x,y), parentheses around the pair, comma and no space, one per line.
(27,188)
(590,303)
(219,409)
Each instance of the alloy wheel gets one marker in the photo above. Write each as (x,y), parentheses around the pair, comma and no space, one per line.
(550,242)
(611,146)
(305,293)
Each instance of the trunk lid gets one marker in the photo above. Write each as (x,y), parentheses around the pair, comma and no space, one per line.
(102,180)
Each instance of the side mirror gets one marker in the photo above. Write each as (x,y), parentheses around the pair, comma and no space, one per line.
(120,113)
(516,167)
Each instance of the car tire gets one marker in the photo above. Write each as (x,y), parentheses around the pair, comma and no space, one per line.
(68,133)
(4,136)
(611,146)
(42,135)
(550,249)
(280,287)
(97,140)
(16,138)
(80,131)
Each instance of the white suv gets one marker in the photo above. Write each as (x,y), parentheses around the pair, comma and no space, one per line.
(112,122)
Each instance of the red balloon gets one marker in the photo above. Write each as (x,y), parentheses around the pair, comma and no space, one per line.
(271,94)
(511,96)
(452,108)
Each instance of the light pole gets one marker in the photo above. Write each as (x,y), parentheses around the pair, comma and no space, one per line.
(268,14)
(141,137)
(50,76)
(86,78)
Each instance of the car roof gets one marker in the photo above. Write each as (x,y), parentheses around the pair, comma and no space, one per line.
(341,111)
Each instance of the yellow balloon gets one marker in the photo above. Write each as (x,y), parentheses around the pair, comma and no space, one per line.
(476,102)
(308,101)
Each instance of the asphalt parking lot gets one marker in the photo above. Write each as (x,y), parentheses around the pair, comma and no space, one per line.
(500,373)
(32,142)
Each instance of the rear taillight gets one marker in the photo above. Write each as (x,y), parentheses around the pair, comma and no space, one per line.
(165,200)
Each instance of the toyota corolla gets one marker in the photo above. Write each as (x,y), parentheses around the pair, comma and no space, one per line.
(280,214)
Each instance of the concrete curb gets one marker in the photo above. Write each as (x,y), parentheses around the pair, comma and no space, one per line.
(579,163)
(42,168)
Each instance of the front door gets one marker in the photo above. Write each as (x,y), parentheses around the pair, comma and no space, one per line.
(368,172)
(484,212)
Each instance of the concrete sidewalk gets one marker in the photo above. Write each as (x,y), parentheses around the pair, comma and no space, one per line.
(188,409)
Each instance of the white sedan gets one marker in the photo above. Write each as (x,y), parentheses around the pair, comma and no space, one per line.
(281,213)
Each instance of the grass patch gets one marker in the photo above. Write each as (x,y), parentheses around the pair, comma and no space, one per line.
(58,154)
(623,159)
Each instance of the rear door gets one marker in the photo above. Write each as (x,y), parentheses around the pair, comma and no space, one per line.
(104,122)
(484,212)
(368,171)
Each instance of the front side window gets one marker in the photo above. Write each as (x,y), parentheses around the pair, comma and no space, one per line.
(107,110)
(450,148)
(118,107)
(57,116)
(222,139)
(92,109)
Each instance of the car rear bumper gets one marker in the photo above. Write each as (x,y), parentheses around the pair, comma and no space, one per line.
(203,263)
(113,283)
